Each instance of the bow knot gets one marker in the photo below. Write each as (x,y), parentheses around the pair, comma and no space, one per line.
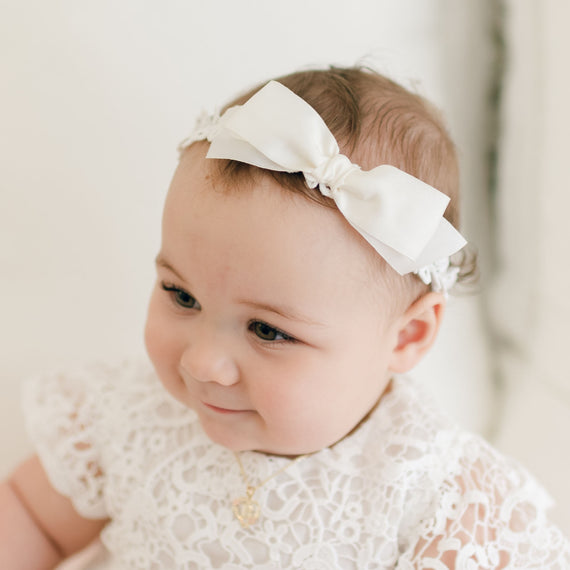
(330,174)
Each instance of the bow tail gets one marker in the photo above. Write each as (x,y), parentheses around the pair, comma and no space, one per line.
(445,242)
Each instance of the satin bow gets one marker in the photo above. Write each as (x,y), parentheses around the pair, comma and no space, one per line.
(399,215)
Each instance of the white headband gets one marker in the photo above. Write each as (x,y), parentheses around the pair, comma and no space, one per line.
(400,216)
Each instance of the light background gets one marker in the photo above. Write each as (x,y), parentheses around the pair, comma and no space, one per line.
(96,95)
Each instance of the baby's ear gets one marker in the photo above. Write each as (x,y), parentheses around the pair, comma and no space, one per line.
(417,331)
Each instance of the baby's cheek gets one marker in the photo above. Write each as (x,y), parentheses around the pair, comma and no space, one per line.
(285,403)
(152,343)
(157,337)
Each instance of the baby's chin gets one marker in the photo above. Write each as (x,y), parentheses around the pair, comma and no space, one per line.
(238,441)
(289,449)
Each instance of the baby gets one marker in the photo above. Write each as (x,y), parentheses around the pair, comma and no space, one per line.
(309,242)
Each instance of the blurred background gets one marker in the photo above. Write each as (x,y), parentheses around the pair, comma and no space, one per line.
(95,96)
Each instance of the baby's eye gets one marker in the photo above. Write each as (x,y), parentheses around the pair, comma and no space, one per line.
(181,297)
(268,333)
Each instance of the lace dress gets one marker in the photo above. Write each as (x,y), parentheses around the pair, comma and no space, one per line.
(407,489)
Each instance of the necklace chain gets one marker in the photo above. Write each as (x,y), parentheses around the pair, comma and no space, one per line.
(246,509)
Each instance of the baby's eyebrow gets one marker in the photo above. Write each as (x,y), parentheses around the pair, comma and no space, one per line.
(161,261)
(281,310)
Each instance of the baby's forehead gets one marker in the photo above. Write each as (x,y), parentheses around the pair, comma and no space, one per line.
(316,226)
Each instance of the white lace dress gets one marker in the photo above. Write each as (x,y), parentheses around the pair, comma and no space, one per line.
(406,490)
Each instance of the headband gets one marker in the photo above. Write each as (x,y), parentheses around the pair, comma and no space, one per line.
(400,216)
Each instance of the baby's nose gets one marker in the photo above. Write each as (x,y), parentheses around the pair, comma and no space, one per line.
(206,360)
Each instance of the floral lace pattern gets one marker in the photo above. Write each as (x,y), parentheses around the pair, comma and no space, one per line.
(406,490)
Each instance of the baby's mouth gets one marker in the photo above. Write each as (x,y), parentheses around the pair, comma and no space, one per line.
(220,410)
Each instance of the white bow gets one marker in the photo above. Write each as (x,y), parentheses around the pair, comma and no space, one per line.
(399,215)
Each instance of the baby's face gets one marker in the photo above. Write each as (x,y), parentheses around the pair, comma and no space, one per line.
(264,318)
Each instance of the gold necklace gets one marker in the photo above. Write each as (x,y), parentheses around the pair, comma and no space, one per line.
(246,509)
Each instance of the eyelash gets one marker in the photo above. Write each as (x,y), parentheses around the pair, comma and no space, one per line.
(286,338)
(175,293)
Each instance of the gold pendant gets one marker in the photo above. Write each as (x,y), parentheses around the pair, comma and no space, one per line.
(246,509)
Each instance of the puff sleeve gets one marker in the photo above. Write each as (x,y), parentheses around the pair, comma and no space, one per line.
(63,413)
(491,514)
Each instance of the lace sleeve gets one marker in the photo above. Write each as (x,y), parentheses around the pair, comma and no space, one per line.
(489,516)
(61,417)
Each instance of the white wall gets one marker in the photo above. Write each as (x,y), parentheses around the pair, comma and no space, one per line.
(532,295)
(95,97)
